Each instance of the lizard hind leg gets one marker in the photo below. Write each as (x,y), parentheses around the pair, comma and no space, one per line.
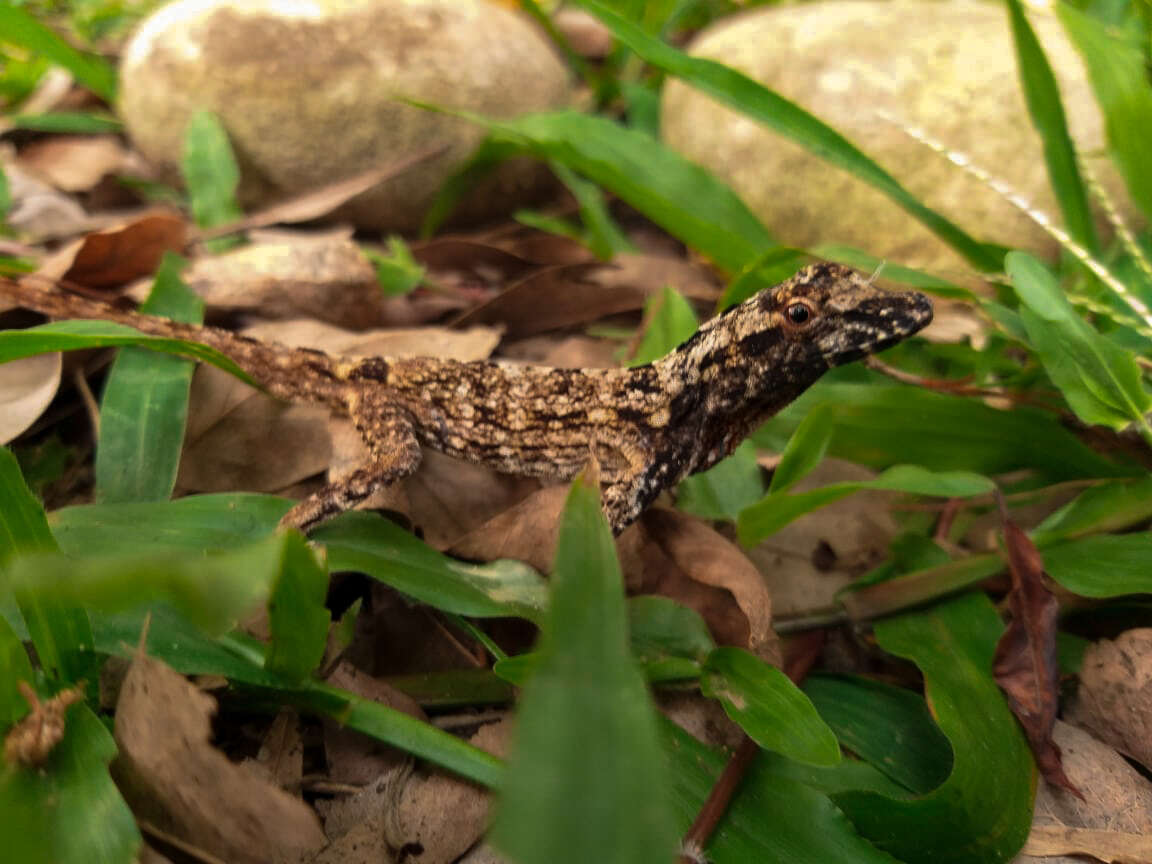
(395,455)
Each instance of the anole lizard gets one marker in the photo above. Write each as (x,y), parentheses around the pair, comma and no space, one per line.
(649,426)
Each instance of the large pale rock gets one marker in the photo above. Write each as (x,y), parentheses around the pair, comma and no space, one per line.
(308,90)
(946,68)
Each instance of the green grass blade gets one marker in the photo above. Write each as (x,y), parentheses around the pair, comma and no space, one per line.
(297,617)
(1107,565)
(677,195)
(788,119)
(1102,382)
(768,707)
(806,448)
(586,777)
(210,171)
(983,811)
(1116,68)
(1042,95)
(20,28)
(60,631)
(74,335)
(66,122)
(68,811)
(1108,507)
(145,404)
(777,509)
(887,726)
(14,668)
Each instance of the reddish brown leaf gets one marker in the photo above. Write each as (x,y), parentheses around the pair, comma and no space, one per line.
(115,256)
(1025,664)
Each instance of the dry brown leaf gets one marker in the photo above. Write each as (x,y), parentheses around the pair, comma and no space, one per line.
(73,163)
(1114,699)
(39,212)
(1026,666)
(471,255)
(31,741)
(27,387)
(320,202)
(323,277)
(282,750)
(808,561)
(681,557)
(1117,799)
(117,255)
(172,776)
(525,532)
(1112,846)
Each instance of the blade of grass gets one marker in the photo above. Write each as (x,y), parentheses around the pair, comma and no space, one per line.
(586,776)
(61,632)
(145,403)
(788,119)
(1117,70)
(211,175)
(20,28)
(1042,95)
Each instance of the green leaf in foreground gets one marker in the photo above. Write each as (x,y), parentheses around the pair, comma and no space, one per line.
(586,779)
(775,816)
(777,509)
(1047,111)
(297,617)
(60,631)
(983,811)
(1100,380)
(210,171)
(788,119)
(66,122)
(21,28)
(886,726)
(214,591)
(768,707)
(145,403)
(1117,70)
(74,335)
(68,811)
(806,448)
(1107,565)
(1107,507)
(14,668)
(725,489)
(669,320)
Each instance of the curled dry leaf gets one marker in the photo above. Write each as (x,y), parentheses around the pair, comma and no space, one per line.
(565,295)
(73,163)
(323,277)
(1025,665)
(117,255)
(1114,699)
(666,553)
(172,777)
(681,557)
(27,387)
(1116,801)
(31,741)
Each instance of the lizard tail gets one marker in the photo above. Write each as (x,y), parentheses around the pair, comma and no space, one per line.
(295,374)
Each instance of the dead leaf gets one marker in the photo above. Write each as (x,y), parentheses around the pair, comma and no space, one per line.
(1114,699)
(585,33)
(471,255)
(1113,846)
(115,256)
(73,163)
(326,278)
(1116,798)
(525,532)
(171,776)
(320,202)
(31,741)
(27,387)
(39,212)
(681,557)
(282,750)
(1025,665)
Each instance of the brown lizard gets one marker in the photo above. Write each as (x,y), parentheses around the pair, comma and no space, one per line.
(648,426)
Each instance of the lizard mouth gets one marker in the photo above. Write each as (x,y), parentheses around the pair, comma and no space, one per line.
(878,324)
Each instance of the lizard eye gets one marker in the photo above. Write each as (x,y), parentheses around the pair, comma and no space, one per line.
(798,313)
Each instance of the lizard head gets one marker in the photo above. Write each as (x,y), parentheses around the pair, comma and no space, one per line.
(835,312)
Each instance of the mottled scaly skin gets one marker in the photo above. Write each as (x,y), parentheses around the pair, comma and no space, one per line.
(649,427)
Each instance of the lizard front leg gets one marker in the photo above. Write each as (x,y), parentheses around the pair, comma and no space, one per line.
(395,454)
